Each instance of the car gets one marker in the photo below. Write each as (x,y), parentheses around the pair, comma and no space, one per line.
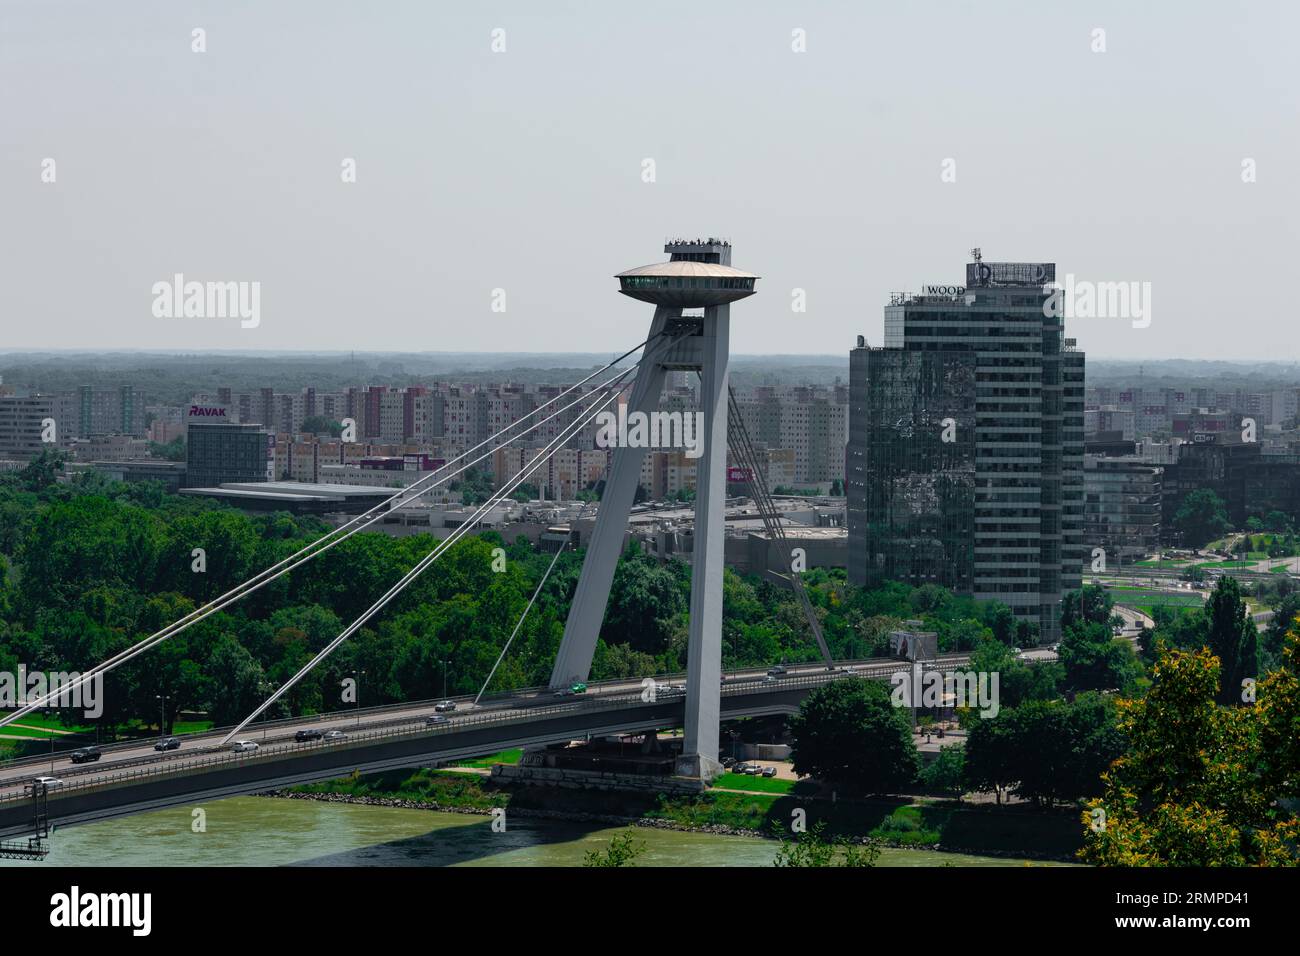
(753,769)
(244,746)
(769,772)
(578,687)
(435,719)
(848,669)
(170,743)
(776,671)
(311,733)
(770,679)
(335,735)
(85,755)
(46,783)
(740,768)
(728,762)
(444,706)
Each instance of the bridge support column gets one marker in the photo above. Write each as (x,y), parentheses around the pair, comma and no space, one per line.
(587,612)
(699,756)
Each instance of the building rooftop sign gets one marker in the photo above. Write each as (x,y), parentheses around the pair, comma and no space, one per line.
(992,274)
(208,413)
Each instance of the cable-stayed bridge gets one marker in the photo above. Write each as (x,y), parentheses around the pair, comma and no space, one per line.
(689,331)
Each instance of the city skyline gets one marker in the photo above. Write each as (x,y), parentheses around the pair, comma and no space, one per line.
(233,169)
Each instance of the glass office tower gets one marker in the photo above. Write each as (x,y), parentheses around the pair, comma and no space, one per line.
(965,462)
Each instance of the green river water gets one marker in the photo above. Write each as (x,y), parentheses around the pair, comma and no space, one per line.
(264,831)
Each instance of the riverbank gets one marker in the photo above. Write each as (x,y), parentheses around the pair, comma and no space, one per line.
(930,825)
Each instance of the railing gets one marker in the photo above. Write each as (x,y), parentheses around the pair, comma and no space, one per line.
(414,726)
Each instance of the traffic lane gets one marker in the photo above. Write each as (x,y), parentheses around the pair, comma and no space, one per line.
(208,743)
(84,774)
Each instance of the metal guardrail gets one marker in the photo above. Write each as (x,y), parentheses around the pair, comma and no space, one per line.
(418,725)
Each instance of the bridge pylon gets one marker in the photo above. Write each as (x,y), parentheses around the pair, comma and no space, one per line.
(698,276)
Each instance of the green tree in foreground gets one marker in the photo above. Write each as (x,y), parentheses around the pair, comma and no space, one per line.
(814,849)
(1201,784)
(622,850)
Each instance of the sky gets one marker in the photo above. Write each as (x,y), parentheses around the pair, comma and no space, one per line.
(501,174)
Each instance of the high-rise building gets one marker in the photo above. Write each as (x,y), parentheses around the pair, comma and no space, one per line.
(1122,498)
(27,420)
(810,420)
(109,411)
(965,459)
(219,450)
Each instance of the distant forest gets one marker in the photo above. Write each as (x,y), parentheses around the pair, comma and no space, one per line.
(173,378)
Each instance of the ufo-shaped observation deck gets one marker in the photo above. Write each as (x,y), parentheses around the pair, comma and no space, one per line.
(685,284)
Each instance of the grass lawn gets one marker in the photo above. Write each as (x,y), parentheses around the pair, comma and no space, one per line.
(35,724)
(191,726)
(743,781)
(1163,563)
(1227,564)
(1124,594)
(505,756)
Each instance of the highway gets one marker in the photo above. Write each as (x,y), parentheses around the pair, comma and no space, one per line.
(15,775)
(133,778)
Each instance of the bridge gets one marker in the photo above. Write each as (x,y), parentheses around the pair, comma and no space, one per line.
(133,777)
(698,277)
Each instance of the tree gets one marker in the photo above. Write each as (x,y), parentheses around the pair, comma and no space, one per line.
(813,848)
(321,425)
(1017,681)
(1200,784)
(1001,621)
(1045,751)
(174,450)
(1201,518)
(644,599)
(849,732)
(1092,603)
(622,850)
(233,682)
(526,492)
(1278,521)
(1232,638)
(946,774)
(43,470)
(1095,660)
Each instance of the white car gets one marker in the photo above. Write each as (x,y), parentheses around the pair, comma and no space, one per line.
(335,735)
(49,783)
(244,746)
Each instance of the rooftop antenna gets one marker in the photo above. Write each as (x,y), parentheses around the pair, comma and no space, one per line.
(977,255)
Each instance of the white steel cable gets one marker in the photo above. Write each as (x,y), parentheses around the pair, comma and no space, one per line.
(428,559)
(531,601)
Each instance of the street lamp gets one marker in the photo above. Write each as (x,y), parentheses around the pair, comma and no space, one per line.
(162,715)
(356,678)
(444,678)
(49,714)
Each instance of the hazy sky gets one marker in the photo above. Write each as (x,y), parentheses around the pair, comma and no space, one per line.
(523,170)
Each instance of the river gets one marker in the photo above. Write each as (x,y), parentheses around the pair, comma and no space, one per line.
(265,831)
